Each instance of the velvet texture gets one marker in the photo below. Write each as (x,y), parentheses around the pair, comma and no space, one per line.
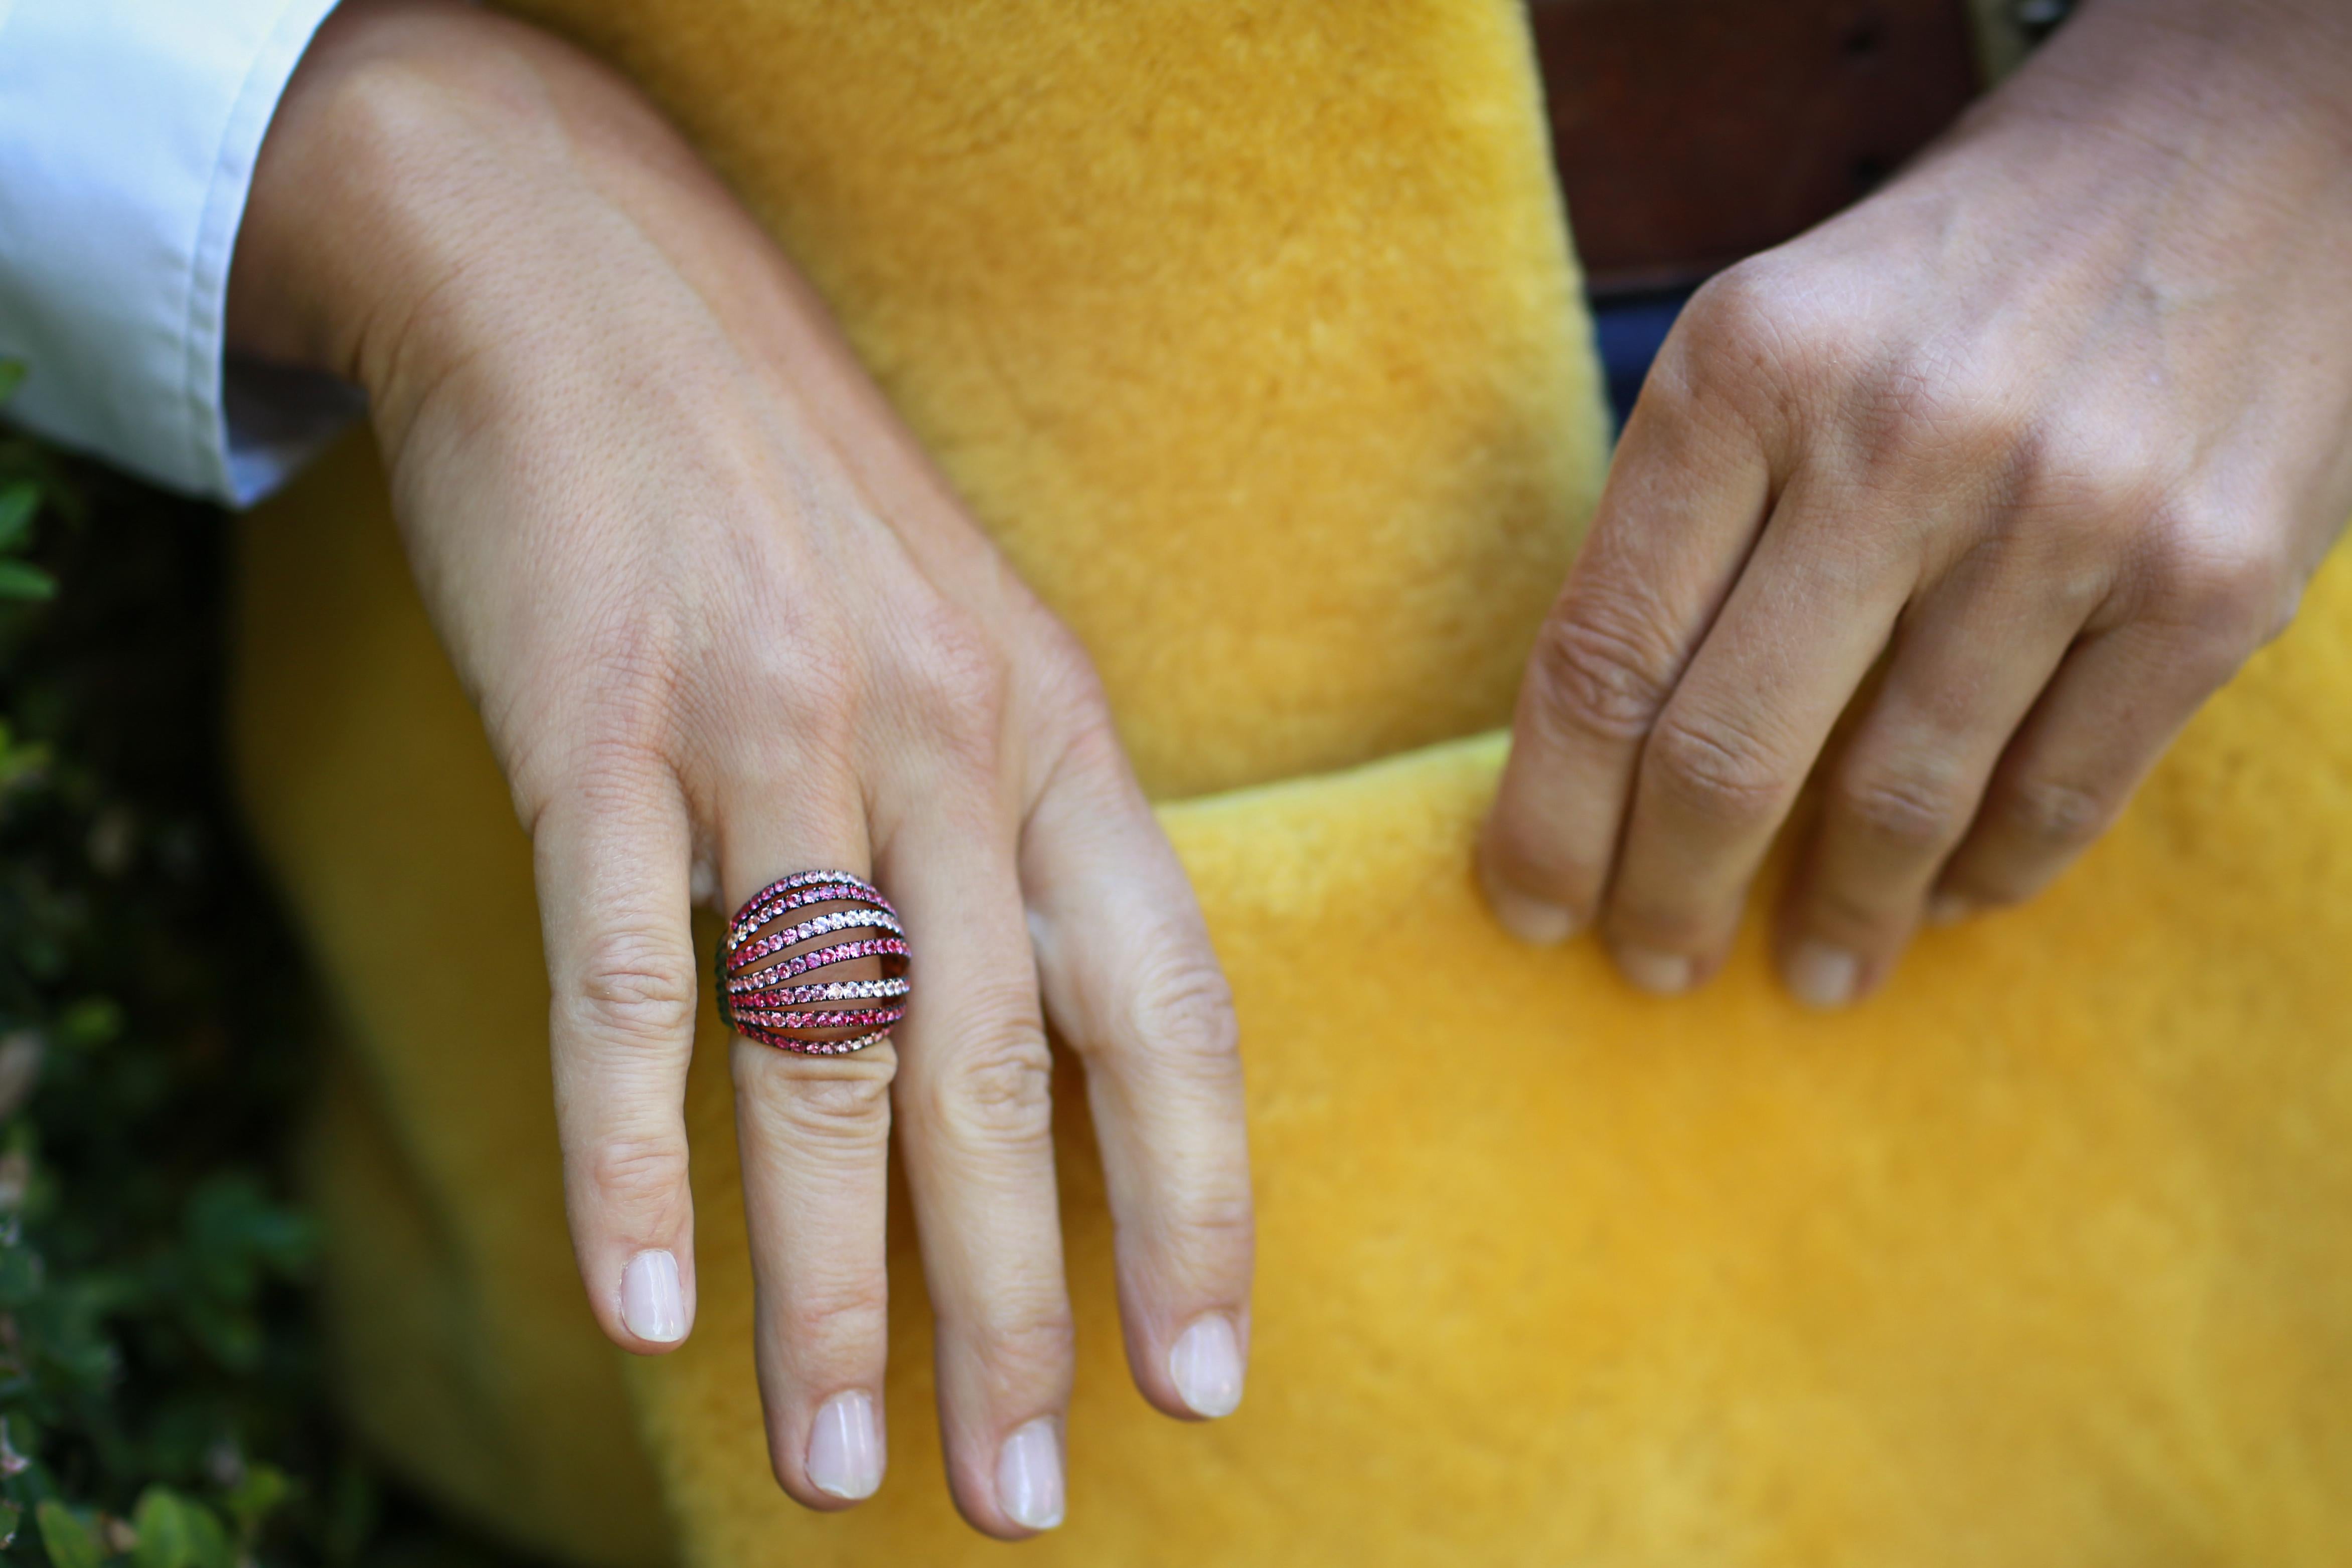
(1250,331)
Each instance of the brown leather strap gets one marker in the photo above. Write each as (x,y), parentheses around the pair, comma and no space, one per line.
(1692,133)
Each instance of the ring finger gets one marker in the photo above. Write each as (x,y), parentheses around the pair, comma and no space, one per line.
(1969,661)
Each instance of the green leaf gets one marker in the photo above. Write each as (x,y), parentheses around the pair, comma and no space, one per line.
(12,1515)
(18,504)
(20,581)
(208,1542)
(12,376)
(164,1538)
(69,1543)
(260,1492)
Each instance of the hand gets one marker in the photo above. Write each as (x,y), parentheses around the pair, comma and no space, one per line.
(2012,465)
(722,622)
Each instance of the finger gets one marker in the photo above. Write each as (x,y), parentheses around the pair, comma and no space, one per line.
(1967,664)
(2116,703)
(1132,982)
(1733,745)
(976,1128)
(1685,497)
(814,1132)
(612,863)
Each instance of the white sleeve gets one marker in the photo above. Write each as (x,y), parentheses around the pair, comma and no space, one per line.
(128,134)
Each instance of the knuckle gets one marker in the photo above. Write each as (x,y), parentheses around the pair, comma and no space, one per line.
(1716,770)
(813,694)
(1182,1013)
(1027,1339)
(612,725)
(995,1088)
(2223,588)
(951,672)
(1060,670)
(1064,700)
(1929,408)
(838,1102)
(1749,314)
(636,988)
(1598,667)
(2105,486)
(636,1172)
(836,1309)
(1202,1236)
(2051,816)
(1218,1221)
(1920,809)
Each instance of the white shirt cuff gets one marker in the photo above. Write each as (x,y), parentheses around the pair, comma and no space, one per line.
(128,134)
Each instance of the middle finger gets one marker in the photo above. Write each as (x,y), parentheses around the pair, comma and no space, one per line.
(1722,767)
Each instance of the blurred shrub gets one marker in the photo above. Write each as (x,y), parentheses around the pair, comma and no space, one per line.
(160,1397)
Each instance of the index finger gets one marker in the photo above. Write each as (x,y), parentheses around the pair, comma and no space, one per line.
(614,910)
(1686,499)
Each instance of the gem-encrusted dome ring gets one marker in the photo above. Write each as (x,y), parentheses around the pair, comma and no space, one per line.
(784,932)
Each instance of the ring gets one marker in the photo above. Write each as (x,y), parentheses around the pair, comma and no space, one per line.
(761,996)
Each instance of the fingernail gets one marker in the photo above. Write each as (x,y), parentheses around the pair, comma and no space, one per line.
(1660,973)
(1822,976)
(1949,909)
(1536,922)
(1206,1366)
(844,1452)
(1029,1477)
(650,1302)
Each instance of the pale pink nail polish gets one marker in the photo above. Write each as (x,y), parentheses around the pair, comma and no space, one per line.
(1206,1366)
(844,1453)
(1822,976)
(1949,909)
(651,1303)
(1534,921)
(1029,1475)
(1659,974)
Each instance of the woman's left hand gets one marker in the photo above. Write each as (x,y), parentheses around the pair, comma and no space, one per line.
(2049,435)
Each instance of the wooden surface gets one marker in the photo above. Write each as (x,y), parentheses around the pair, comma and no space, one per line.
(1692,133)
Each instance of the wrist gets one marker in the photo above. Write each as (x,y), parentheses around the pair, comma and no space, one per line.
(413,192)
(2192,78)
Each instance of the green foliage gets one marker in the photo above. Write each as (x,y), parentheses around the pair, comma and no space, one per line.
(160,1404)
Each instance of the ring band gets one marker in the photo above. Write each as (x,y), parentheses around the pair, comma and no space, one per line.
(771,945)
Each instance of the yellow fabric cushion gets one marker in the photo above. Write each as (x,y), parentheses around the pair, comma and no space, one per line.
(2037,1259)
(1249,331)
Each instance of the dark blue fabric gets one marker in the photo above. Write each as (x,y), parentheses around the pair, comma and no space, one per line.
(1630,329)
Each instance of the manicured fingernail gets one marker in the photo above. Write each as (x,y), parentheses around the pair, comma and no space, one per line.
(1660,973)
(1536,922)
(650,1302)
(1822,976)
(1949,909)
(1206,1366)
(844,1452)
(1029,1477)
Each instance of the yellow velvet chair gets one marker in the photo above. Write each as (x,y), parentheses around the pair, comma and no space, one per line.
(1251,330)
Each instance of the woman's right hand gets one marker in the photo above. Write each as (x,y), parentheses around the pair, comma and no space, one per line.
(723,622)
